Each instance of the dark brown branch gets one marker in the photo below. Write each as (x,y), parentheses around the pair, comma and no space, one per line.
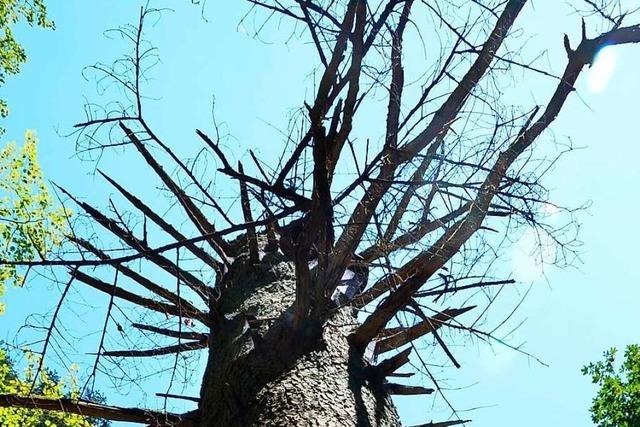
(401,374)
(161,351)
(312,30)
(433,326)
(197,217)
(320,10)
(293,159)
(145,253)
(445,115)
(318,227)
(390,365)
(252,239)
(103,333)
(90,409)
(187,335)
(406,390)
(143,281)
(334,148)
(178,396)
(388,282)
(444,423)
(212,200)
(452,289)
(136,299)
(165,226)
(399,336)
(301,202)
(407,195)
(50,329)
(452,240)
(397,79)
(126,236)
(415,234)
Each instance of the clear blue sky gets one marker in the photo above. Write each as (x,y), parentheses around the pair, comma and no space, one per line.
(571,317)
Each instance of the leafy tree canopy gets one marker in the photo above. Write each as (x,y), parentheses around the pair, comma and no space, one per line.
(48,384)
(31,224)
(12,53)
(617,403)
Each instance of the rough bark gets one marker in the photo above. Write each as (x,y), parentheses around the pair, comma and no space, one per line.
(258,374)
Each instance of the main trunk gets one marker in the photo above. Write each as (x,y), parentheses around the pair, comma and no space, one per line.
(260,374)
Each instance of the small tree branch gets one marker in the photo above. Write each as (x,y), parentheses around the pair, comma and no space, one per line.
(197,217)
(301,202)
(136,299)
(141,280)
(126,236)
(397,337)
(390,365)
(444,423)
(187,335)
(161,351)
(165,226)
(252,239)
(407,390)
(90,409)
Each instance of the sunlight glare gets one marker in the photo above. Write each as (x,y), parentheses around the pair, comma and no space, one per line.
(531,254)
(602,69)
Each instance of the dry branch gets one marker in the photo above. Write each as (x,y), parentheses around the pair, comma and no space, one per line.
(407,390)
(196,216)
(141,246)
(143,281)
(165,226)
(90,409)
(136,299)
(399,336)
(390,365)
(160,351)
(187,335)
(444,423)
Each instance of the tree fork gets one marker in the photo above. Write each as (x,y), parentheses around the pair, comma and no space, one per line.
(261,372)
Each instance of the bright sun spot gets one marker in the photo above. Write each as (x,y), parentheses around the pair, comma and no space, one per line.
(531,254)
(602,69)
(550,210)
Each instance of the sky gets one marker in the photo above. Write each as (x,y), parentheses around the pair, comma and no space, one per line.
(571,315)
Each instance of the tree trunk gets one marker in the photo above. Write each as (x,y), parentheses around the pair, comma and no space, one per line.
(260,374)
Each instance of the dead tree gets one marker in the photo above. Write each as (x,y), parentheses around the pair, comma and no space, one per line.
(322,289)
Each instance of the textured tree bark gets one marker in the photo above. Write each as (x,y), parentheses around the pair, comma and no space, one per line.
(260,374)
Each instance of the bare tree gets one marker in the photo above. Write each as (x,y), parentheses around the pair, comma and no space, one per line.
(311,306)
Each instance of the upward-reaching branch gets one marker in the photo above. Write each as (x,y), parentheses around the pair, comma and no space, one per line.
(164,225)
(452,240)
(196,216)
(187,307)
(318,229)
(392,158)
(126,236)
(252,239)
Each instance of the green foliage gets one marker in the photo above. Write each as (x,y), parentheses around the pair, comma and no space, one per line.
(617,403)
(48,385)
(12,54)
(31,224)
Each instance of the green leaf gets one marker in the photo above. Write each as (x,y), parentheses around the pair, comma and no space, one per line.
(32,226)
(49,384)
(617,402)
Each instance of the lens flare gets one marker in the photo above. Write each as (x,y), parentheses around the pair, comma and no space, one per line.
(602,69)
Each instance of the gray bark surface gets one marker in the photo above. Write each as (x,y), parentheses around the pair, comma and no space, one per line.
(259,375)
